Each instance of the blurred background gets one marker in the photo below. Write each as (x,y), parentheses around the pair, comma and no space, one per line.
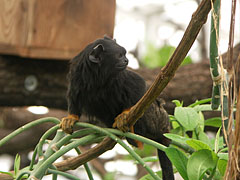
(38,38)
(146,27)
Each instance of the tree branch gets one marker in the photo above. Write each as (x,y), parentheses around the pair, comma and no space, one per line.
(166,74)
(75,162)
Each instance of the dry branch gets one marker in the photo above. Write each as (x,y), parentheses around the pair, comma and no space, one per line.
(165,75)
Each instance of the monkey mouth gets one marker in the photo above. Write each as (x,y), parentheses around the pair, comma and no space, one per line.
(122,67)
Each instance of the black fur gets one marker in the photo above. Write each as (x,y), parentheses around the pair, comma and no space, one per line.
(102,87)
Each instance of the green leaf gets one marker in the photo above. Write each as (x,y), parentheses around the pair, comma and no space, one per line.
(223,156)
(8,173)
(204,138)
(152,56)
(175,124)
(17,164)
(198,102)
(199,163)
(109,176)
(171,117)
(164,54)
(160,56)
(187,117)
(178,103)
(220,144)
(213,122)
(179,160)
(222,165)
(201,120)
(198,145)
(176,129)
(217,140)
(177,138)
(203,107)
(187,60)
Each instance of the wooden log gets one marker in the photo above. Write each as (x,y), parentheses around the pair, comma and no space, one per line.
(26,82)
(190,83)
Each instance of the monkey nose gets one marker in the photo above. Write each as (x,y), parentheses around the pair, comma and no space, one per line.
(126,60)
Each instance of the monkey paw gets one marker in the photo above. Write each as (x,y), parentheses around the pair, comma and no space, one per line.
(121,121)
(67,123)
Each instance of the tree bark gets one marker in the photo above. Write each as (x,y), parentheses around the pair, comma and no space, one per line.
(26,82)
(190,83)
(13,118)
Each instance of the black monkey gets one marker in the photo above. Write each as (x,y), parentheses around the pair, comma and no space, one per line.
(102,87)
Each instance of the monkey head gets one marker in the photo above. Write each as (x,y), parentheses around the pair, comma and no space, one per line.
(107,55)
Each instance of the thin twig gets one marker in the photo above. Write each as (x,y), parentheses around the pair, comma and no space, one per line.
(232,166)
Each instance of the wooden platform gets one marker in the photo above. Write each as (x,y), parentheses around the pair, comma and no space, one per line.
(55,29)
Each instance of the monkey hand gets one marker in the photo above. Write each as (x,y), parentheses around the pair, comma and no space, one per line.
(67,123)
(121,121)
(122,124)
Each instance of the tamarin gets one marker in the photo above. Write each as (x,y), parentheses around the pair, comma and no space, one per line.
(101,86)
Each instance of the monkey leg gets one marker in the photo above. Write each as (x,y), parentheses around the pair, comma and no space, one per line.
(122,124)
(67,123)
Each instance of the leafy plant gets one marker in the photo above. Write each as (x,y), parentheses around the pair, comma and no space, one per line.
(158,57)
(194,155)
(62,143)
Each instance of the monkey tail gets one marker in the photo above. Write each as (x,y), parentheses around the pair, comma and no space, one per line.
(166,165)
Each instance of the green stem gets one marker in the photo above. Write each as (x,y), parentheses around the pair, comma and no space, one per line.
(50,150)
(215,97)
(203,101)
(214,58)
(41,170)
(44,137)
(33,158)
(22,174)
(67,175)
(69,137)
(89,173)
(54,176)
(185,147)
(138,138)
(118,140)
(28,126)
(52,145)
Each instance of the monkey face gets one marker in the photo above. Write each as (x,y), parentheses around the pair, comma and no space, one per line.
(107,55)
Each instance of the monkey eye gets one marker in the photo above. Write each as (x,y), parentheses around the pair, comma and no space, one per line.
(120,55)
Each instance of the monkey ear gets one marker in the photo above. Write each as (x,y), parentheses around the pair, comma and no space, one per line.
(107,37)
(94,55)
